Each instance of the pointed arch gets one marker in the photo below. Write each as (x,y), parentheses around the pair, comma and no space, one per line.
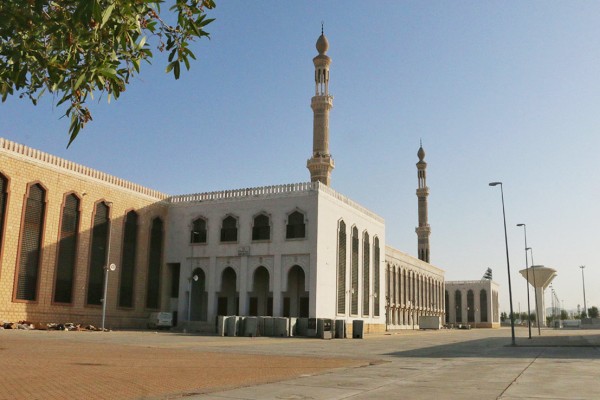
(229,229)
(261,227)
(341,268)
(128,259)
(296,225)
(198,231)
(354,272)
(154,263)
(30,243)
(483,305)
(67,249)
(198,296)
(228,296)
(98,252)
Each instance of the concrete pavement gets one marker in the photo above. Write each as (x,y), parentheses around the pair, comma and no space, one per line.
(448,364)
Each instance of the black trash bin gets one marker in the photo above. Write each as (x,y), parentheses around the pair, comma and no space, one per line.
(357,329)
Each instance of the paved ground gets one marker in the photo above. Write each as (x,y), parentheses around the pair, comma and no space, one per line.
(450,364)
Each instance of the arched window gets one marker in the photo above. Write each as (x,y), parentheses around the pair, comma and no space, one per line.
(447,301)
(295,228)
(229,230)
(341,269)
(128,259)
(458,305)
(154,263)
(67,250)
(31,243)
(366,274)
(262,228)
(354,277)
(470,306)
(3,199)
(100,235)
(376,260)
(483,304)
(198,233)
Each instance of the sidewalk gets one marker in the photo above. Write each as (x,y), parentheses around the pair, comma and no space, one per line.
(448,364)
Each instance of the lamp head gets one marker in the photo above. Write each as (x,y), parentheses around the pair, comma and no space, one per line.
(495,183)
(520,224)
(527,248)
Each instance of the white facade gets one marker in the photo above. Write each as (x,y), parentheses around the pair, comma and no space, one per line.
(414,288)
(312,259)
(473,303)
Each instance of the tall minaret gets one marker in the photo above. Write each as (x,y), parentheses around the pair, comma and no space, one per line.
(423,230)
(321,163)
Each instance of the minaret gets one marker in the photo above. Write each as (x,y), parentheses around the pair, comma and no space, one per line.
(321,163)
(423,230)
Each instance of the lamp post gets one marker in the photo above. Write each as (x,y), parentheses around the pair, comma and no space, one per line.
(583,281)
(527,273)
(107,268)
(512,316)
(537,310)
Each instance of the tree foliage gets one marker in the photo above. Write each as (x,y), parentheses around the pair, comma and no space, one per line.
(593,312)
(75,48)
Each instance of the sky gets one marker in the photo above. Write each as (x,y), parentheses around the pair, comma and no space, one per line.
(496,91)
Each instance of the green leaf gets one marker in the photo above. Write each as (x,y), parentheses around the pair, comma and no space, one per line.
(79,81)
(106,14)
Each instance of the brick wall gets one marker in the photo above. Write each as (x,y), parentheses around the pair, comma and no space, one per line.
(23,166)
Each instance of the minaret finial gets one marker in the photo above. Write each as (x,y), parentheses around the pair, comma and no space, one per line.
(321,163)
(421,142)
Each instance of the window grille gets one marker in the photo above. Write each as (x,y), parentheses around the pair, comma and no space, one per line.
(31,241)
(229,230)
(128,259)
(458,304)
(295,228)
(376,293)
(3,199)
(67,250)
(354,276)
(483,305)
(98,254)
(262,228)
(470,306)
(154,262)
(198,234)
(341,284)
(366,274)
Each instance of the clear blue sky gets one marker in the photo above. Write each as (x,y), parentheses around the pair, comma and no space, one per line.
(505,91)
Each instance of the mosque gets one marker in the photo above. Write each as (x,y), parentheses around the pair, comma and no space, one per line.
(295,250)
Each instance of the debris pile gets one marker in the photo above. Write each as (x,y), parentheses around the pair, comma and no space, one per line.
(52,326)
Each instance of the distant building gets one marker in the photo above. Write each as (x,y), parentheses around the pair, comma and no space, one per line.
(472,303)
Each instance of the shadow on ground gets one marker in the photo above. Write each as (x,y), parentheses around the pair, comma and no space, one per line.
(562,347)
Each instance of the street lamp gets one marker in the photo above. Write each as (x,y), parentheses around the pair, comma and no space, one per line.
(107,268)
(537,310)
(527,273)
(512,316)
(583,281)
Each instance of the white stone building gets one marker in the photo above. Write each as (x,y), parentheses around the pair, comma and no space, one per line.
(473,303)
(298,250)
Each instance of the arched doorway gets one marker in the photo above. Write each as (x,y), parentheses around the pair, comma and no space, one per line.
(260,299)
(228,298)
(295,300)
(199,296)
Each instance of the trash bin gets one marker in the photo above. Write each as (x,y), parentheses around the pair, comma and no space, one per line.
(340,329)
(357,329)
(325,328)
